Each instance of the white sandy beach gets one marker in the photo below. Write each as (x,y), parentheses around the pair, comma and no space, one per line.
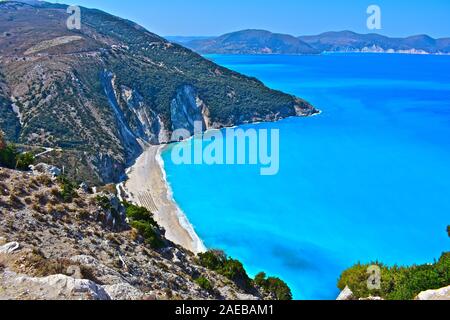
(147,187)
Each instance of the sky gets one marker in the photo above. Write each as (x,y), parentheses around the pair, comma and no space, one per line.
(296,17)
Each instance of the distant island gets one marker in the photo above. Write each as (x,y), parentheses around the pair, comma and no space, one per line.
(266,42)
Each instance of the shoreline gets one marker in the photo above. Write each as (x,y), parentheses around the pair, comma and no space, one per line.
(148,187)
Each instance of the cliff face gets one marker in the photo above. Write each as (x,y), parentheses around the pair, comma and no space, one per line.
(100,92)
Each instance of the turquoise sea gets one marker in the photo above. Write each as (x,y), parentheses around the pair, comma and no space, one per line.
(368,179)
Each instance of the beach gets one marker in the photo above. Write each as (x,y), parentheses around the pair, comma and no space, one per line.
(147,186)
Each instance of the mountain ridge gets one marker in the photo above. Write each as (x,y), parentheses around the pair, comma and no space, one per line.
(252,41)
(243,42)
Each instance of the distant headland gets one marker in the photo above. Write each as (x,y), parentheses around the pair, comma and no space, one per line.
(266,42)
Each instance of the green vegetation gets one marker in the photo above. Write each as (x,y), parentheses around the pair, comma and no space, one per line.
(68,189)
(234,270)
(103,202)
(229,268)
(273,285)
(398,283)
(13,159)
(204,283)
(142,220)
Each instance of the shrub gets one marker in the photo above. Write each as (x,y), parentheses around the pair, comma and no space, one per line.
(149,233)
(398,283)
(213,260)
(8,157)
(229,268)
(275,286)
(140,214)
(142,220)
(234,270)
(24,161)
(12,159)
(204,283)
(103,202)
(68,192)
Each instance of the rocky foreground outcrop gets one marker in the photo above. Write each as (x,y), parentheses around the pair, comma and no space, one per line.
(51,249)
(440,294)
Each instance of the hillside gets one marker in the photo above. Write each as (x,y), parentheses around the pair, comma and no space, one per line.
(251,42)
(58,241)
(265,42)
(100,92)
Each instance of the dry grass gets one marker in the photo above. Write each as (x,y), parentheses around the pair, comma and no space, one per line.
(44,180)
(15,202)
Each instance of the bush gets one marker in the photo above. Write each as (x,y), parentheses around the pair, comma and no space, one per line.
(149,233)
(213,260)
(204,283)
(12,159)
(398,283)
(68,192)
(8,157)
(140,214)
(142,220)
(234,270)
(103,202)
(275,286)
(24,161)
(229,268)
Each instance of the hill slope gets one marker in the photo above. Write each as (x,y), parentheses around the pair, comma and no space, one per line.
(83,248)
(265,42)
(99,92)
(251,42)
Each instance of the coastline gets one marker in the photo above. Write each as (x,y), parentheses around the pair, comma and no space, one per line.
(148,187)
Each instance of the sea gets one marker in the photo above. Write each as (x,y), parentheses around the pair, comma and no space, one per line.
(366,180)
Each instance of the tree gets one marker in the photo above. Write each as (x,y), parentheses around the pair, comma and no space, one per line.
(24,160)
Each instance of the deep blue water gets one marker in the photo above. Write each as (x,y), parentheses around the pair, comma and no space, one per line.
(368,179)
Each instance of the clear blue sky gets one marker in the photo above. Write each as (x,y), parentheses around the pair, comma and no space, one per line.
(297,17)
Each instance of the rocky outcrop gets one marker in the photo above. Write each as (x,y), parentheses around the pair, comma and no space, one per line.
(9,247)
(345,295)
(55,287)
(129,139)
(43,168)
(440,294)
(188,110)
(85,249)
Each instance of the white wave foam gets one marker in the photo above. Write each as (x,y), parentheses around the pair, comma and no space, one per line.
(182,218)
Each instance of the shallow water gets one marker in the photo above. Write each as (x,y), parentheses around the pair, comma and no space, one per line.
(368,179)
